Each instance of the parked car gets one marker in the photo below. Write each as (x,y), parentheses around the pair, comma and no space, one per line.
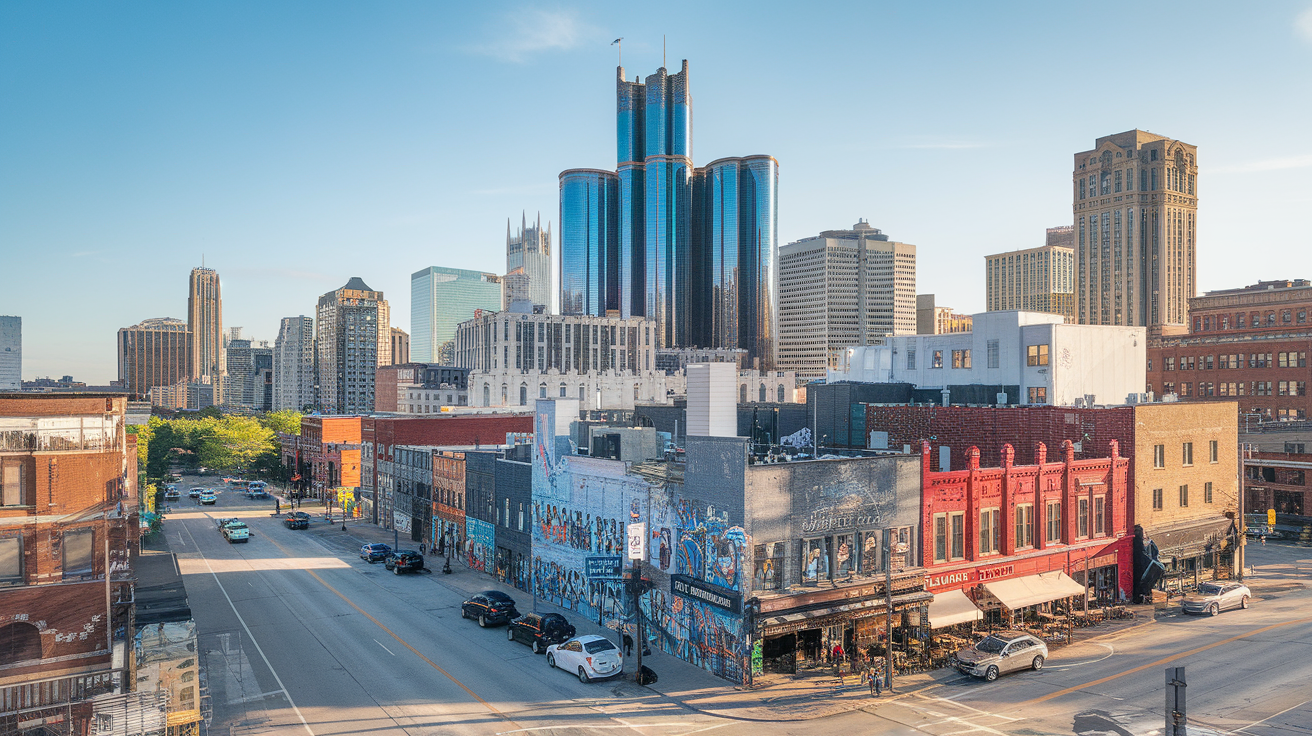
(296,520)
(1002,652)
(173,494)
(1213,598)
(401,560)
(209,499)
(236,531)
(540,630)
(375,552)
(592,657)
(195,492)
(490,607)
(255,493)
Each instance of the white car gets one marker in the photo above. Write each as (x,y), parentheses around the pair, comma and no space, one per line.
(592,657)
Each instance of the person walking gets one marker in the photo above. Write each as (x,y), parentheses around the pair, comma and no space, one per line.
(277,506)
(628,645)
(877,682)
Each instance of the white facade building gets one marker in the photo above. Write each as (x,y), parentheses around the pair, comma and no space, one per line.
(1049,362)
(293,364)
(11,353)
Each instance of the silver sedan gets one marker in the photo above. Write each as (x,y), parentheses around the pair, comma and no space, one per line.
(1212,598)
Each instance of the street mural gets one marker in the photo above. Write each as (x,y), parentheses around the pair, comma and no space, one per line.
(479,544)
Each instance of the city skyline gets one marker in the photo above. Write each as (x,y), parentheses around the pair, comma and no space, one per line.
(157,131)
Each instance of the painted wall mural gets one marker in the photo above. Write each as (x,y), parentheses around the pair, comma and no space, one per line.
(480,544)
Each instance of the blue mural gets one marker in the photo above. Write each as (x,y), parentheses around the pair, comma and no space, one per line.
(480,544)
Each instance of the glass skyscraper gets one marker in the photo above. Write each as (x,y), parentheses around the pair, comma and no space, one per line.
(691,249)
(440,299)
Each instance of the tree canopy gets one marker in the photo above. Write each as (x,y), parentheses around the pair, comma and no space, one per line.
(223,442)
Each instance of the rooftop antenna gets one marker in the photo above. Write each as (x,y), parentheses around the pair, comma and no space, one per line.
(619,42)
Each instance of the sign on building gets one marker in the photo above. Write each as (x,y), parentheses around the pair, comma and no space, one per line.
(637,542)
(604,567)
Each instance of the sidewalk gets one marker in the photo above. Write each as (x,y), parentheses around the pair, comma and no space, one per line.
(775,697)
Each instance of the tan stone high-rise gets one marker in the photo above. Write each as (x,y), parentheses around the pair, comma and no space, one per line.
(1035,279)
(205,321)
(1135,205)
(352,338)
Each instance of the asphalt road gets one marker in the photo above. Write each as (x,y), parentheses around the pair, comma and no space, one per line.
(298,637)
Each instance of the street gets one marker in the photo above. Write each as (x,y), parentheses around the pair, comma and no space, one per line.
(298,635)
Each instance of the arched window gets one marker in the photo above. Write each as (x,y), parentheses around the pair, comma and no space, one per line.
(523,394)
(504,398)
(19,642)
(780,391)
(487,395)
(562,390)
(762,393)
(742,394)
(542,390)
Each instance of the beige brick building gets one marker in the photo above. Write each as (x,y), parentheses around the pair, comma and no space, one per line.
(1135,205)
(1035,279)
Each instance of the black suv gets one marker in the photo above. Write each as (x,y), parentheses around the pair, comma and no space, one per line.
(296,520)
(490,607)
(538,630)
(404,559)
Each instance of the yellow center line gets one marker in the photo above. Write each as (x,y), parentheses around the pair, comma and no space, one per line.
(1162,661)
(399,640)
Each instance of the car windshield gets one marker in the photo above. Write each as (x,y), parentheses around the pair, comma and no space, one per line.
(991,645)
(1209,589)
(600,645)
(236,525)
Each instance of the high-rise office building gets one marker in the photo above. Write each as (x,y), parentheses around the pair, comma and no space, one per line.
(1135,204)
(931,319)
(529,252)
(1035,279)
(352,338)
(691,249)
(244,384)
(156,352)
(440,299)
(400,346)
(205,320)
(839,289)
(293,364)
(11,353)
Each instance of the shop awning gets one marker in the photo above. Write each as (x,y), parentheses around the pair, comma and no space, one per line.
(830,615)
(952,607)
(1034,589)
(1192,539)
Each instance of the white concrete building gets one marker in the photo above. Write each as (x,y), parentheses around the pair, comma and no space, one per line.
(293,364)
(1045,360)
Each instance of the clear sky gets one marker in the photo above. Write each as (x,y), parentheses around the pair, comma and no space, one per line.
(295,145)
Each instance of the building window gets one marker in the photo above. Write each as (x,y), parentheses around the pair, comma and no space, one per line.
(1212,451)
(815,560)
(523,394)
(1157,499)
(1099,516)
(1187,453)
(1036,355)
(1024,525)
(1038,394)
(989,532)
(938,359)
(779,391)
(13,484)
(1184,496)
(940,537)
(960,358)
(1168,363)
(1159,456)
(79,556)
(911,359)
(1207,492)
(993,353)
(563,390)
(542,390)
(769,566)
(11,561)
(1082,518)
(958,536)
(1054,522)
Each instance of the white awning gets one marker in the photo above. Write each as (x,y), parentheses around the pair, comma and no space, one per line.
(952,607)
(1034,589)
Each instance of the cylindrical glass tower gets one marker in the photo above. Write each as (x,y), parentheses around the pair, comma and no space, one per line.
(588,239)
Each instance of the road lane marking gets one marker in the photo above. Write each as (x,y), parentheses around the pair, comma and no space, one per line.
(251,636)
(1162,661)
(385,649)
(1109,653)
(399,640)
(1273,715)
(591,727)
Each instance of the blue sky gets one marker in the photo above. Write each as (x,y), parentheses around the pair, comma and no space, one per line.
(298,144)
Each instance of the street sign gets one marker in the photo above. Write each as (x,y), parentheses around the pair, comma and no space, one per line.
(603,567)
(637,547)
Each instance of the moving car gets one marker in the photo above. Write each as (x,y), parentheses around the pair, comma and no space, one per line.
(591,657)
(375,552)
(236,531)
(209,499)
(540,630)
(1212,598)
(172,494)
(195,492)
(1001,652)
(401,560)
(296,520)
(223,521)
(490,607)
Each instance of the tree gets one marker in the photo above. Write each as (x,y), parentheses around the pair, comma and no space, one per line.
(287,421)
(232,442)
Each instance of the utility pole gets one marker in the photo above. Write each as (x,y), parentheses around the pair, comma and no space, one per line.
(1175,696)
(888,608)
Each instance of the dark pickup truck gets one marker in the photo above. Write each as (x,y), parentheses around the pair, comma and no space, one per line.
(296,520)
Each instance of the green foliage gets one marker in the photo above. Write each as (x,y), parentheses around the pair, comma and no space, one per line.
(220,442)
(287,421)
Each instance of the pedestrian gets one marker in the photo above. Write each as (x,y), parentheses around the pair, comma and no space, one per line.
(628,645)
(421,548)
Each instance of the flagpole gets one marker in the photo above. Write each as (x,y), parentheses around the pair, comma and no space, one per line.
(620,43)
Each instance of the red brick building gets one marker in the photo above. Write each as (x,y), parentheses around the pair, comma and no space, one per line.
(1278,481)
(68,529)
(982,525)
(1248,345)
(329,449)
(449,491)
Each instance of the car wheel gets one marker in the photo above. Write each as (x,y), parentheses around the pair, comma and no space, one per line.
(482,620)
(463,613)
(991,674)
(583,676)
(551,660)
(1037,664)
(537,647)
(510,633)
(1213,609)
(1243,602)
(396,570)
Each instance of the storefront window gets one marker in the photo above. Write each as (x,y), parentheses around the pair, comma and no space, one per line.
(940,538)
(844,555)
(770,566)
(1054,522)
(869,553)
(989,531)
(958,523)
(815,560)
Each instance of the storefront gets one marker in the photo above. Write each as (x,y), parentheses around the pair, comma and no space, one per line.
(1194,552)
